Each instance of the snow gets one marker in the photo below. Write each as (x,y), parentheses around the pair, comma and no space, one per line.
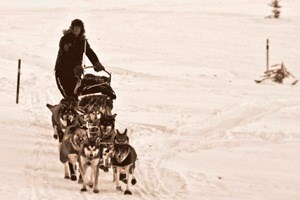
(184,73)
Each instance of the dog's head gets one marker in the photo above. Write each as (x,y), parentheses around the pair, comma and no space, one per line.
(121,138)
(79,136)
(106,123)
(68,110)
(92,113)
(93,106)
(68,115)
(91,149)
(121,152)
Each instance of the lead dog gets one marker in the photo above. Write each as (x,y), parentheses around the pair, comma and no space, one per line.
(124,158)
(106,133)
(72,143)
(121,138)
(89,156)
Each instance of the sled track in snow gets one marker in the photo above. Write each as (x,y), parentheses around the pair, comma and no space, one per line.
(156,181)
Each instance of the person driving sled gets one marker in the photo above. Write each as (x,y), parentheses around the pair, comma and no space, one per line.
(69,59)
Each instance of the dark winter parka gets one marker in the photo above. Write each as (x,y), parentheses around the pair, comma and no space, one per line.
(70,53)
(70,56)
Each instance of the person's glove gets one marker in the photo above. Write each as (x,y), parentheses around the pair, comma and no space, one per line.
(78,71)
(98,67)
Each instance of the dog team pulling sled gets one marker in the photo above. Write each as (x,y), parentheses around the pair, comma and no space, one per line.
(85,129)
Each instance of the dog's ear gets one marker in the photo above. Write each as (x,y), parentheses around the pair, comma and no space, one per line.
(50,107)
(125,132)
(114,115)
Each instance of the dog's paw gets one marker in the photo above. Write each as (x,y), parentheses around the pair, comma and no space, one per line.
(106,169)
(73,177)
(119,188)
(128,192)
(90,184)
(83,189)
(67,177)
(133,181)
(122,176)
(96,190)
(101,167)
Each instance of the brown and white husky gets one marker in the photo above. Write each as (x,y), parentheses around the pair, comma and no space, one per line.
(72,143)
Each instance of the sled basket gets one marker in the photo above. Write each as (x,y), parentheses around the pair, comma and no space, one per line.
(92,84)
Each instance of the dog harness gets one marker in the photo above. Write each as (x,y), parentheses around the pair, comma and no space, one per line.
(129,159)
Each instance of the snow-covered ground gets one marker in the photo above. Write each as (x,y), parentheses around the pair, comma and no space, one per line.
(183,72)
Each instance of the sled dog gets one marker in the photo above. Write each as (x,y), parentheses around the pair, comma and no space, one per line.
(124,158)
(63,115)
(90,156)
(92,107)
(106,125)
(121,138)
(71,145)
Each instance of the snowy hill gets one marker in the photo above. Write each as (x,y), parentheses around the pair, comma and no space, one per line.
(184,73)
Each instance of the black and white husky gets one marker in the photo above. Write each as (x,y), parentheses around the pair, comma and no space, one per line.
(90,157)
(124,158)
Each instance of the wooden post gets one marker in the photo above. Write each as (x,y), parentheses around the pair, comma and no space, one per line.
(267,47)
(18,81)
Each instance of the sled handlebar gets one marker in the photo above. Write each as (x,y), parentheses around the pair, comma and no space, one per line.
(108,73)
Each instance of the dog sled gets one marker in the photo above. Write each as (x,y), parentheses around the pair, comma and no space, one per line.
(94,92)
(93,85)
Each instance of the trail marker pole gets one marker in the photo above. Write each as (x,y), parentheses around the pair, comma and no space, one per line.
(267,48)
(18,80)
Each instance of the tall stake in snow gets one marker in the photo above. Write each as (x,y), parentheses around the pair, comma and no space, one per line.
(18,81)
(267,47)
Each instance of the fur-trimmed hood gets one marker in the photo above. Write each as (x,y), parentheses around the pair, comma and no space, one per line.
(68,32)
(76,22)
